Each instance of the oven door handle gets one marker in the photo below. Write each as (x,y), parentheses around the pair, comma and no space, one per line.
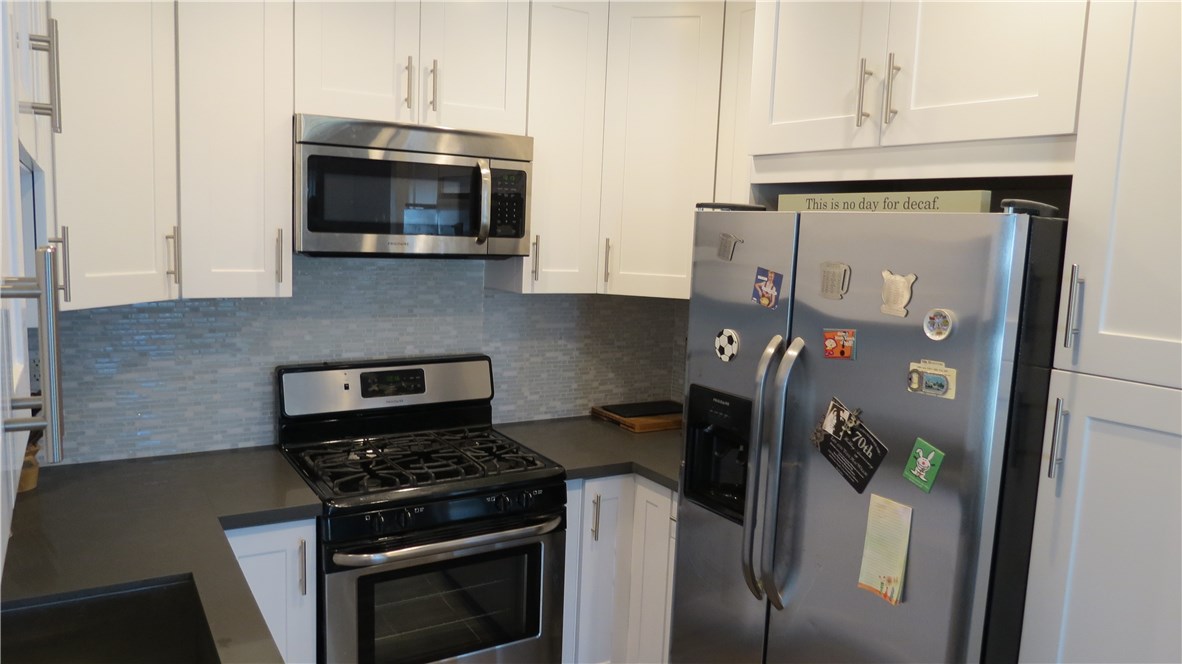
(372,559)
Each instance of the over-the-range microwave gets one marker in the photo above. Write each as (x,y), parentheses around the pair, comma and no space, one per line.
(367,188)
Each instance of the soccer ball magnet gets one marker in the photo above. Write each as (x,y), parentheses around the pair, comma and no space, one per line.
(726,344)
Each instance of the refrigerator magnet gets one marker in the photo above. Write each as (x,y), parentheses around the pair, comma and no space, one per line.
(835,280)
(768,286)
(896,293)
(726,344)
(884,553)
(923,465)
(845,441)
(938,324)
(932,378)
(840,344)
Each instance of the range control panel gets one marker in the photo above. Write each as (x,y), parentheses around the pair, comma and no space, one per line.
(508,203)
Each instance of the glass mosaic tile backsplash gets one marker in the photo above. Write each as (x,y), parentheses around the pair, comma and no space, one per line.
(196,375)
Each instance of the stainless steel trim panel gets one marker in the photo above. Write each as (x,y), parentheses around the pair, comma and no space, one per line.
(346,132)
(335,389)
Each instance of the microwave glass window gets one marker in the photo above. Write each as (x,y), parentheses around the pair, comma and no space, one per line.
(450,608)
(392,197)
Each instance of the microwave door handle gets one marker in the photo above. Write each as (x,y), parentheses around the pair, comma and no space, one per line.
(754,449)
(485,200)
(775,457)
(431,548)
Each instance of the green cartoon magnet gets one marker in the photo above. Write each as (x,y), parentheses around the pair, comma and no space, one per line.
(923,465)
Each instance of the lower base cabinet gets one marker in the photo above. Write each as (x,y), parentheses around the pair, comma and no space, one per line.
(619,540)
(279,562)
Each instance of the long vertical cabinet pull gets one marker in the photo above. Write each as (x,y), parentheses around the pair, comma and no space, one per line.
(49,44)
(863,74)
(1072,329)
(434,85)
(303,567)
(537,256)
(410,82)
(44,288)
(888,112)
(595,517)
(607,258)
(279,257)
(174,269)
(64,240)
(1056,455)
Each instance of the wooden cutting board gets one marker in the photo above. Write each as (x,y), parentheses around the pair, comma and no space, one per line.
(641,424)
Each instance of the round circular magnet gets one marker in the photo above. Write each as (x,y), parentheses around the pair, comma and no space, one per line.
(726,344)
(938,324)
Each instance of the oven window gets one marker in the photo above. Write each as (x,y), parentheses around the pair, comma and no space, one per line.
(450,608)
(392,197)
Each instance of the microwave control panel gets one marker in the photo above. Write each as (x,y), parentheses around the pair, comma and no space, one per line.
(508,203)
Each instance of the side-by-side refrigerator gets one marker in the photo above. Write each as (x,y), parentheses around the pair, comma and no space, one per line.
(866,395)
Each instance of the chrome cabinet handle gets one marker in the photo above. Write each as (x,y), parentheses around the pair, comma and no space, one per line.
(889,113)
(595,517)
(279,257)
(1056,447)
(410,81)
(49,44)
(44,288)
(485,200)
(1072,329)
(434,84)
(64,240)
(537,256)
(863,74)
(303,567)
(607,258)
(754,445)
(174,267)
(772,494)
(431,548)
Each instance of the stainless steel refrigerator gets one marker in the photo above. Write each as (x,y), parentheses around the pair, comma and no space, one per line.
(865,393)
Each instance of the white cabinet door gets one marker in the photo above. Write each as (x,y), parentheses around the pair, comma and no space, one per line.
(116,160)
(574,547)
(981,70)
(732,171)
(475,64)
(1124,234)
(660,133)
(603,569)
(279,562)
(235,114)
(807,75)
(568,68)
(648,605)
(1104,572)
(358,60)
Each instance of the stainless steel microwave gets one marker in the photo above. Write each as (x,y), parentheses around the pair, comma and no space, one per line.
(367,188)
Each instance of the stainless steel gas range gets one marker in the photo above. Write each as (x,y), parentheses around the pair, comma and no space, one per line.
(440,539)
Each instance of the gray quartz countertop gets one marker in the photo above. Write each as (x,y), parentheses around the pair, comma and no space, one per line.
(89,526)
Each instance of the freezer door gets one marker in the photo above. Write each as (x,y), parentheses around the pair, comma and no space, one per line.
(863,289)
(741,299)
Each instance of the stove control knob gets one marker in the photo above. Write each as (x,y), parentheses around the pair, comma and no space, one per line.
(403,517)
(378,523)
(527,499)
(503,503)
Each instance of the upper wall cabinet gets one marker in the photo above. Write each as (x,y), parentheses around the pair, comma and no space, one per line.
(1121,312)
(455,64)
(835,75)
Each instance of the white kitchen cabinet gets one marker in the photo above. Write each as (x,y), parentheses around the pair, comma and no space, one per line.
(660,135)
(1104,573)
(116,157)
(455,64)
(235,143)
(732,172)
(933,72)
(603,569)
(568,70)
(1125,232)
(279,562)
(574,550)
(648,604)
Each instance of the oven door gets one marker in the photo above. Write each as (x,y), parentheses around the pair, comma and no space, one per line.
(381,202)
(489,597)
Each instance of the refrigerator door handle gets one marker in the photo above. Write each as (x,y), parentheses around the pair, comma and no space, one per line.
(771,497)
(750,510)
